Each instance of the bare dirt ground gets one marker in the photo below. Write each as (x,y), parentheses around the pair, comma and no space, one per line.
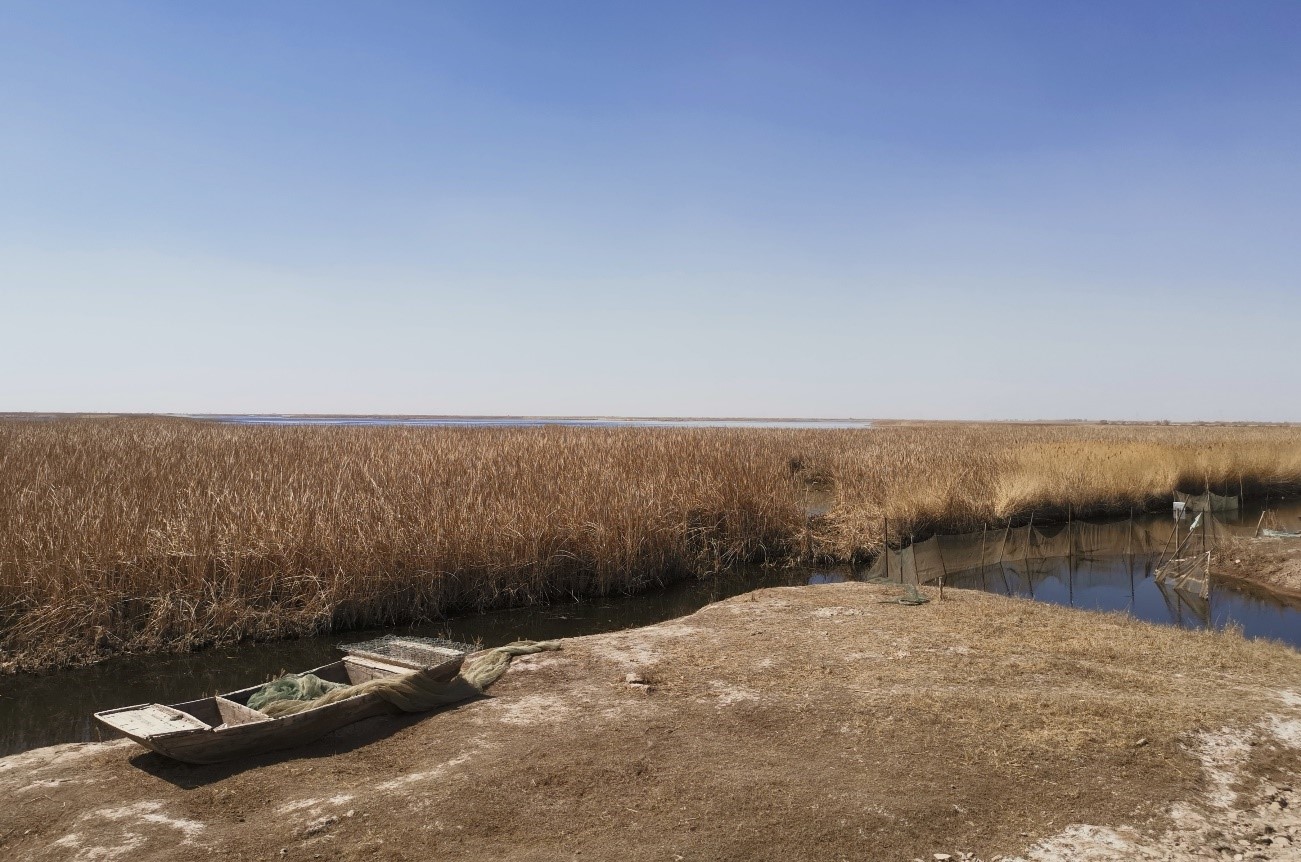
(815,723)
(1267,563)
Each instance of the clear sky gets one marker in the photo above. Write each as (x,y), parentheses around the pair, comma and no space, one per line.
(905,209)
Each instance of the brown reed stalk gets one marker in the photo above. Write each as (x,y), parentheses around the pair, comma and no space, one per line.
(132,535)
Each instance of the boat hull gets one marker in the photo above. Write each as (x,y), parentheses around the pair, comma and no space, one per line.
(221,728)
(220,744)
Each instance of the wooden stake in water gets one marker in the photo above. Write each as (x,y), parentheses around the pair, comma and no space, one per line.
(903,574)
(1070,558)
(1207,516)
(1206,584)
(885,545)
(1178,515)
(983,527)
(1070,535)
(941,568)
(1029,556)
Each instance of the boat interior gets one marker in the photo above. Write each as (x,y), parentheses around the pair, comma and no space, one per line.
(229,710)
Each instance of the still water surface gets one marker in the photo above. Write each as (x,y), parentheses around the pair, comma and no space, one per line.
(45,709)
(38,710)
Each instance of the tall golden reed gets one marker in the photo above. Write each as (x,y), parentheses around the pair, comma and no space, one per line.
(128,534)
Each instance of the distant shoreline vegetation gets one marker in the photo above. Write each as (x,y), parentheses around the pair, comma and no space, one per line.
(138,534)
(524,421)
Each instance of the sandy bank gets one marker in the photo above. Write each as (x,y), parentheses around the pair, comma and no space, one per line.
(796,723)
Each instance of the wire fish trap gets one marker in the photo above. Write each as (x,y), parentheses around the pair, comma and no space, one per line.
(1191,574)
(413,652)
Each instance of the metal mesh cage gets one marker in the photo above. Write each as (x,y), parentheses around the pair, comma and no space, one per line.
(410,651)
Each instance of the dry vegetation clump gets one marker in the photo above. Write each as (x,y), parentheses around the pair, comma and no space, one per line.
(1269,563)
(122,535)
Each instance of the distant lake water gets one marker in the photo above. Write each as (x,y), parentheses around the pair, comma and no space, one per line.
(522,421)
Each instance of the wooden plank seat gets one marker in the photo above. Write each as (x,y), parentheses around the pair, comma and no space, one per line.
(151,719)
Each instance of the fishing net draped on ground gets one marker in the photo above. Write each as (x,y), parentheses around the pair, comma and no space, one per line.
(417,691)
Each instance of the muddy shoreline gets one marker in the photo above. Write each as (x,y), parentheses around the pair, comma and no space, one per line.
(789,723)
(1270,565)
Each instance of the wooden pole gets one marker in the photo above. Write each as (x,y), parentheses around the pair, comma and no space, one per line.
(808,537)
(1070,558)
(1164,548)
(1070,536)
(885,544)
(1206,584)
(1070,580)
(941,553)
(1180,547)
(1182,512)
(911,539)
(1029,539)
(1129,555)
(983,528)
(1206,517)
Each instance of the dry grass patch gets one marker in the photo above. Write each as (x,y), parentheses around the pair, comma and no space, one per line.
(978,724)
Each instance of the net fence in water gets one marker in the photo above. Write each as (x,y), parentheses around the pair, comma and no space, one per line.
(1207,502)
(1188,566)
(945,555)
(1018,548)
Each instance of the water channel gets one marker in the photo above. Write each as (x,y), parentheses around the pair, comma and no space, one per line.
(37,710)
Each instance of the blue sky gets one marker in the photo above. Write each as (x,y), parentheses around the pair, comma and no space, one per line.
(931,209)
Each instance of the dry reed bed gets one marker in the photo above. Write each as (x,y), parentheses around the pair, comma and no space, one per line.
(155,534)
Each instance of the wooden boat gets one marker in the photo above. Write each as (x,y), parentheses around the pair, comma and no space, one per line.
(224,727)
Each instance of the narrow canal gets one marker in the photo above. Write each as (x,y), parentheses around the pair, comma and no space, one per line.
(45,709)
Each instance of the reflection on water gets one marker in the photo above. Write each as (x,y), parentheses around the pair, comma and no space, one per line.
(38,710)
(1120,576)
(828,577)
(1127,584)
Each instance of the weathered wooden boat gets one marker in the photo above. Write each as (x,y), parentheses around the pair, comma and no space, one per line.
(224,727)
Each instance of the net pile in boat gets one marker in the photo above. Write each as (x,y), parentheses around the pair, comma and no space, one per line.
(420,690)
(409,651)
